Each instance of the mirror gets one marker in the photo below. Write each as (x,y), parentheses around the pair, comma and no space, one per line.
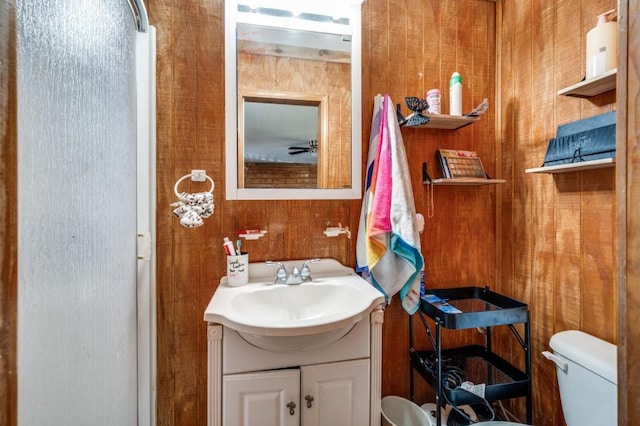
(293,120)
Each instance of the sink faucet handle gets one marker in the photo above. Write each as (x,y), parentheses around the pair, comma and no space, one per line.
(305,271)
(281,274)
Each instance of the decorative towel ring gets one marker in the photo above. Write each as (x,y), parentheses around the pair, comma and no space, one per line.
(191,208)
(196,176)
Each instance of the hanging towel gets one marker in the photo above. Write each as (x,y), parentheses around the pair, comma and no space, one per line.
(388,244)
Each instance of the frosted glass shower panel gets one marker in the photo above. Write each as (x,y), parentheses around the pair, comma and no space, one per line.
(77,220)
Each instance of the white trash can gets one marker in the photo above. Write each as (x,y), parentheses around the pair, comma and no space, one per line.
(397,411)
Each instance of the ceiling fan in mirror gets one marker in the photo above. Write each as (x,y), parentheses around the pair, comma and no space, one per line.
(311,149)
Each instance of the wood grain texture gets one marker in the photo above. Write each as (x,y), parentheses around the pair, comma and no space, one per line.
(309,77)
(558,231)
(546,240)
(409,48)
(8,217)
(628,245)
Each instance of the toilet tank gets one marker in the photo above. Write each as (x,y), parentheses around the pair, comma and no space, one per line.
(588,384)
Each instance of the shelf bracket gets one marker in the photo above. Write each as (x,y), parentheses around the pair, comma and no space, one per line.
(426,178)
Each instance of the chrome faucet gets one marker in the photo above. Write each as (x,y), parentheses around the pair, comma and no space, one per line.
(294,276)
(305,272)
(281,274)
(297,276)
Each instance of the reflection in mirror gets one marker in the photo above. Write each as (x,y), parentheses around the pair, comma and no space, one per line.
(282,138)
(294,130)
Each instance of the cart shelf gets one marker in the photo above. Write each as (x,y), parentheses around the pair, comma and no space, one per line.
(479,307)
(464,308)
(502,379)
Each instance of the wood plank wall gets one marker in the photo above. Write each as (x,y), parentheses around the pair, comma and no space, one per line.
(545,245)
(8,216)
(190,261)
(411,46)
(548,241)
(558,231)
(627,182)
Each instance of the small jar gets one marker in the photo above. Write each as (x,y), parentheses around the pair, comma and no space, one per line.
(433,99)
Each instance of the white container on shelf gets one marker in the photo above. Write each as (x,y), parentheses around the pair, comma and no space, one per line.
(455,94)
(602,46)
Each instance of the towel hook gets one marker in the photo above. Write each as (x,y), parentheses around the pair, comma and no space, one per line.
(196,176)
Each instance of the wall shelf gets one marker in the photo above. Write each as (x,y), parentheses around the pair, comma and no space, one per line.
(465,181)
(571,167)
(447,122)
(593,86)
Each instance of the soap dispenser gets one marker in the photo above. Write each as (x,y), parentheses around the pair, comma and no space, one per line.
(602,46)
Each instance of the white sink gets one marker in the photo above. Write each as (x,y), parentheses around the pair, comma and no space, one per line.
(297,317)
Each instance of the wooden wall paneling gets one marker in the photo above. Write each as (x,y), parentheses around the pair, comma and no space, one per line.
(551,239)
(421,145)
(296,75)
(416,33)
(506,137)
(544,259)
(598,223)
(625,115)
(568,240)
(293,226)
(524,146)
(209,50)
(465,54)
(378,71)
(8,217)
(334,148)
(518,284)
(160,14)
(297,235)
(568,203)
(397,57)
(187,269)
(628,239)
(331,213)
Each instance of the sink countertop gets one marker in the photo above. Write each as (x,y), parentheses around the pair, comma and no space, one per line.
(337,297)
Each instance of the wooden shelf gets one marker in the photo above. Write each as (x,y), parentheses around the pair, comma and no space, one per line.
(447,122)
(571,167)
(593,86)
(466,181)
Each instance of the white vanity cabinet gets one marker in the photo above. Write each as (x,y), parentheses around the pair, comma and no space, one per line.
(308,354)
(315,395)
(335,394)
(269,398)
(248,385)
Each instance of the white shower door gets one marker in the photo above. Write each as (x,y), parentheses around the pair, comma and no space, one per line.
(77,225)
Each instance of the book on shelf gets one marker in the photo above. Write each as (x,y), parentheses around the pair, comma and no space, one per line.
(459,163)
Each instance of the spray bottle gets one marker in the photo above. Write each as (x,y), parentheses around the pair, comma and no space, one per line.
(455,94)
(602,46)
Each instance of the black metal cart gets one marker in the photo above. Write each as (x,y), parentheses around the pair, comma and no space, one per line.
(464,308)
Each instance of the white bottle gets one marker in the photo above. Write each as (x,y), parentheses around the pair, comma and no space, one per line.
(602,46)
(455,94)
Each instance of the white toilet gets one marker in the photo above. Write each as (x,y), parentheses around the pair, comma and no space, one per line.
(587,378)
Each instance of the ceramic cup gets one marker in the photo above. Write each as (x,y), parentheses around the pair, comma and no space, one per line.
(238,270)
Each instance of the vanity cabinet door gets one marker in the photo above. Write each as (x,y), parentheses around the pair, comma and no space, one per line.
(270,398)
(335,394)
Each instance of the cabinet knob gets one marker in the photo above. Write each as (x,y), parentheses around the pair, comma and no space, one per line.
(309,400)
(292,408)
